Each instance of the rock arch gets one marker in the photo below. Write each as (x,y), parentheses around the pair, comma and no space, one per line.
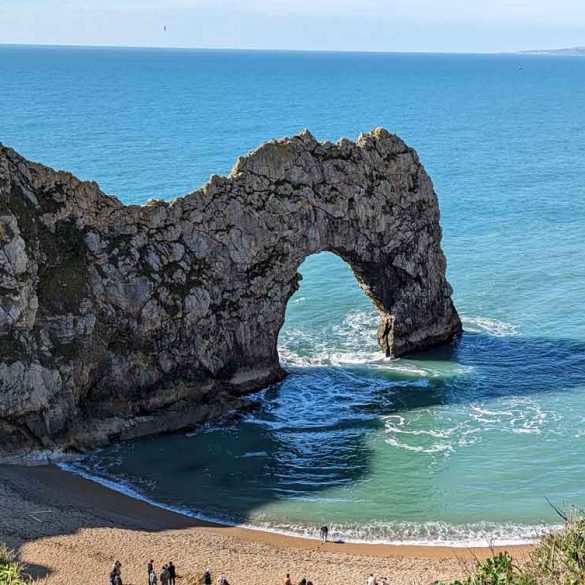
(120,320)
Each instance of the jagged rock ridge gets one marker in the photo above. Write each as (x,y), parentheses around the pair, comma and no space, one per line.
(118,321)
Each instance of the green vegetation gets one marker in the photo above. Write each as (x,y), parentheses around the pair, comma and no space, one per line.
(557,559)
(11,570)
(63,277)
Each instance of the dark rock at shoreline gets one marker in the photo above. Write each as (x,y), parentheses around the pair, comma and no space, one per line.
(119,321)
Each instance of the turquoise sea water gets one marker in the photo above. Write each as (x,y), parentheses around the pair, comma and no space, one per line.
(461,444)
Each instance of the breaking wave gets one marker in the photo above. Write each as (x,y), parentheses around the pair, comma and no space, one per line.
(446,429)
(493,327)
(351,342)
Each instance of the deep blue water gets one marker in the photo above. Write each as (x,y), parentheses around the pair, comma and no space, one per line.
(453,445)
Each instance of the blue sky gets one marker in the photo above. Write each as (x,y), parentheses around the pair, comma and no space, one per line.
(350,25)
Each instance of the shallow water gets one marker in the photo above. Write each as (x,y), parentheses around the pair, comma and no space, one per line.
(461,444)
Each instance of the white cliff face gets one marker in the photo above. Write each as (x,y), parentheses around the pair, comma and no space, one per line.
(17,310)
(117,321)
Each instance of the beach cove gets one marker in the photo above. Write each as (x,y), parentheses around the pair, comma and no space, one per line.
(70,530)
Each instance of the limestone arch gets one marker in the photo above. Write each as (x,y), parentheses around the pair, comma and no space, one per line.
(372,204)
(123,320)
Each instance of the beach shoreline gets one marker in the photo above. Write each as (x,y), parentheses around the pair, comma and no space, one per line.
(126,489)
(65,526)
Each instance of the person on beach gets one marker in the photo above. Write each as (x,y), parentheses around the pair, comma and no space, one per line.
(150,570)
(152,580)
(222,581)
(288,581)
(172,573)
(372,580)
(303,581)
(164,576)
(324,533)
(115,578)
(207,577)
(116,573)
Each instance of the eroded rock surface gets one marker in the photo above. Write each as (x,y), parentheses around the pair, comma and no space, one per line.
(118,321)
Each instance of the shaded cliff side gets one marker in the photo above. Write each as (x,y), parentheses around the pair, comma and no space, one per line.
(118,321)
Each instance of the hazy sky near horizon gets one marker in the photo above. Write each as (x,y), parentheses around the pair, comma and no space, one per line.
(350,25)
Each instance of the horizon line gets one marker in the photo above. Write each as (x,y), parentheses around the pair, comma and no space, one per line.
(264,50)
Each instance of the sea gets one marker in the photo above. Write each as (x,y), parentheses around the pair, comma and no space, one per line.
(466,444)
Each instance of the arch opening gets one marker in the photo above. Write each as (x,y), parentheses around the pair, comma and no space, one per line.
(330,319)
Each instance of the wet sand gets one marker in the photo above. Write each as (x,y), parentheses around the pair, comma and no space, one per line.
(69,530)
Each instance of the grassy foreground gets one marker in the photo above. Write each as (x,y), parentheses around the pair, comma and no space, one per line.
(11,570)
(557,559)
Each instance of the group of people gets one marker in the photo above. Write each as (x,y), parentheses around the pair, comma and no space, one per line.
(167,575)
(207,580)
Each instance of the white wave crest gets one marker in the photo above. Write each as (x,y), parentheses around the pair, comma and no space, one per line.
(351,342)
(443,430)
(493,327)
(479,534)
(254,454)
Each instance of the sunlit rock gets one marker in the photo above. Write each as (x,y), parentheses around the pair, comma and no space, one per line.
(118,321)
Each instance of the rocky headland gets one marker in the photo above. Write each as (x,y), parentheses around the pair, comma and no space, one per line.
(118,321)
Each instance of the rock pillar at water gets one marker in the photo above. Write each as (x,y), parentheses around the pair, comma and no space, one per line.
(118,321)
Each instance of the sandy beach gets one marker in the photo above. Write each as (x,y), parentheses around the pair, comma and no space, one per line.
(69,530)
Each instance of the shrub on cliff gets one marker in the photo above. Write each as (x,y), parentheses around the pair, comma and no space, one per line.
(497,570)
(11,570)
(557,559)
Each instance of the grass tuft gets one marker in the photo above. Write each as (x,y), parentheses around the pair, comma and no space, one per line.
(557,559)
(11,570)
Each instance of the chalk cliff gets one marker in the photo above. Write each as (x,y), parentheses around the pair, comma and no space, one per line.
(118,321)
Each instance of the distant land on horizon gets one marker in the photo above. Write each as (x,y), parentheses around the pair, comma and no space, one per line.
(577,51)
